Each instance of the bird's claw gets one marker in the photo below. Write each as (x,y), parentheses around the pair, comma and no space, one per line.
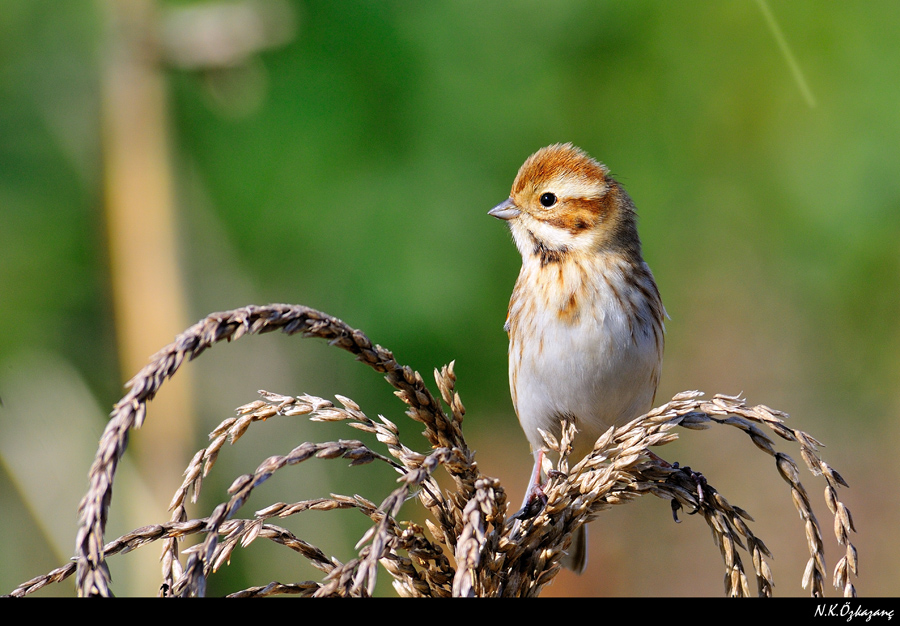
(699,482)
(534,504)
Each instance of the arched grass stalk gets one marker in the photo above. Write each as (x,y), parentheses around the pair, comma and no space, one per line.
(468,546)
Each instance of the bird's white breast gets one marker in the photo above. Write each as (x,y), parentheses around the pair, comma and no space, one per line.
(577,349)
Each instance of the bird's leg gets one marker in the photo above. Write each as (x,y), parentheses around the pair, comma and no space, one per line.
(535,498)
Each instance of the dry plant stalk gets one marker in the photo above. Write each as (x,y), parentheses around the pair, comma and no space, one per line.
(469,546)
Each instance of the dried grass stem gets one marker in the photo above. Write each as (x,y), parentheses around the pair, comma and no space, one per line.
(468,546)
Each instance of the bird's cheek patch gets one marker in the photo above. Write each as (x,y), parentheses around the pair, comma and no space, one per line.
(579,215)
(604,206)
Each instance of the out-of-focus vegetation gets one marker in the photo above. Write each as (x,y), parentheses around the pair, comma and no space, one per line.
(350,166)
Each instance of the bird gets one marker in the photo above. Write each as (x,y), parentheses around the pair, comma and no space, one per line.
(585,319)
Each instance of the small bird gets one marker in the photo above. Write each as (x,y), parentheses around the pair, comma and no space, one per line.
(585,319)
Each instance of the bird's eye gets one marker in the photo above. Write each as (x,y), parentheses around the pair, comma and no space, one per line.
(548,199)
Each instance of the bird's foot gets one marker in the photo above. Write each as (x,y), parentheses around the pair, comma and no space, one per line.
(698,481)
(535,501)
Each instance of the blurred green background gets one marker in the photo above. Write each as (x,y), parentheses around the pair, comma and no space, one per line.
(343,155)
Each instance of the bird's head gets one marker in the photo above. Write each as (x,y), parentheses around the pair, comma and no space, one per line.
(563,201)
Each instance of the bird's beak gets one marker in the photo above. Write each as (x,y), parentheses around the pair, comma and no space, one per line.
(506,210)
